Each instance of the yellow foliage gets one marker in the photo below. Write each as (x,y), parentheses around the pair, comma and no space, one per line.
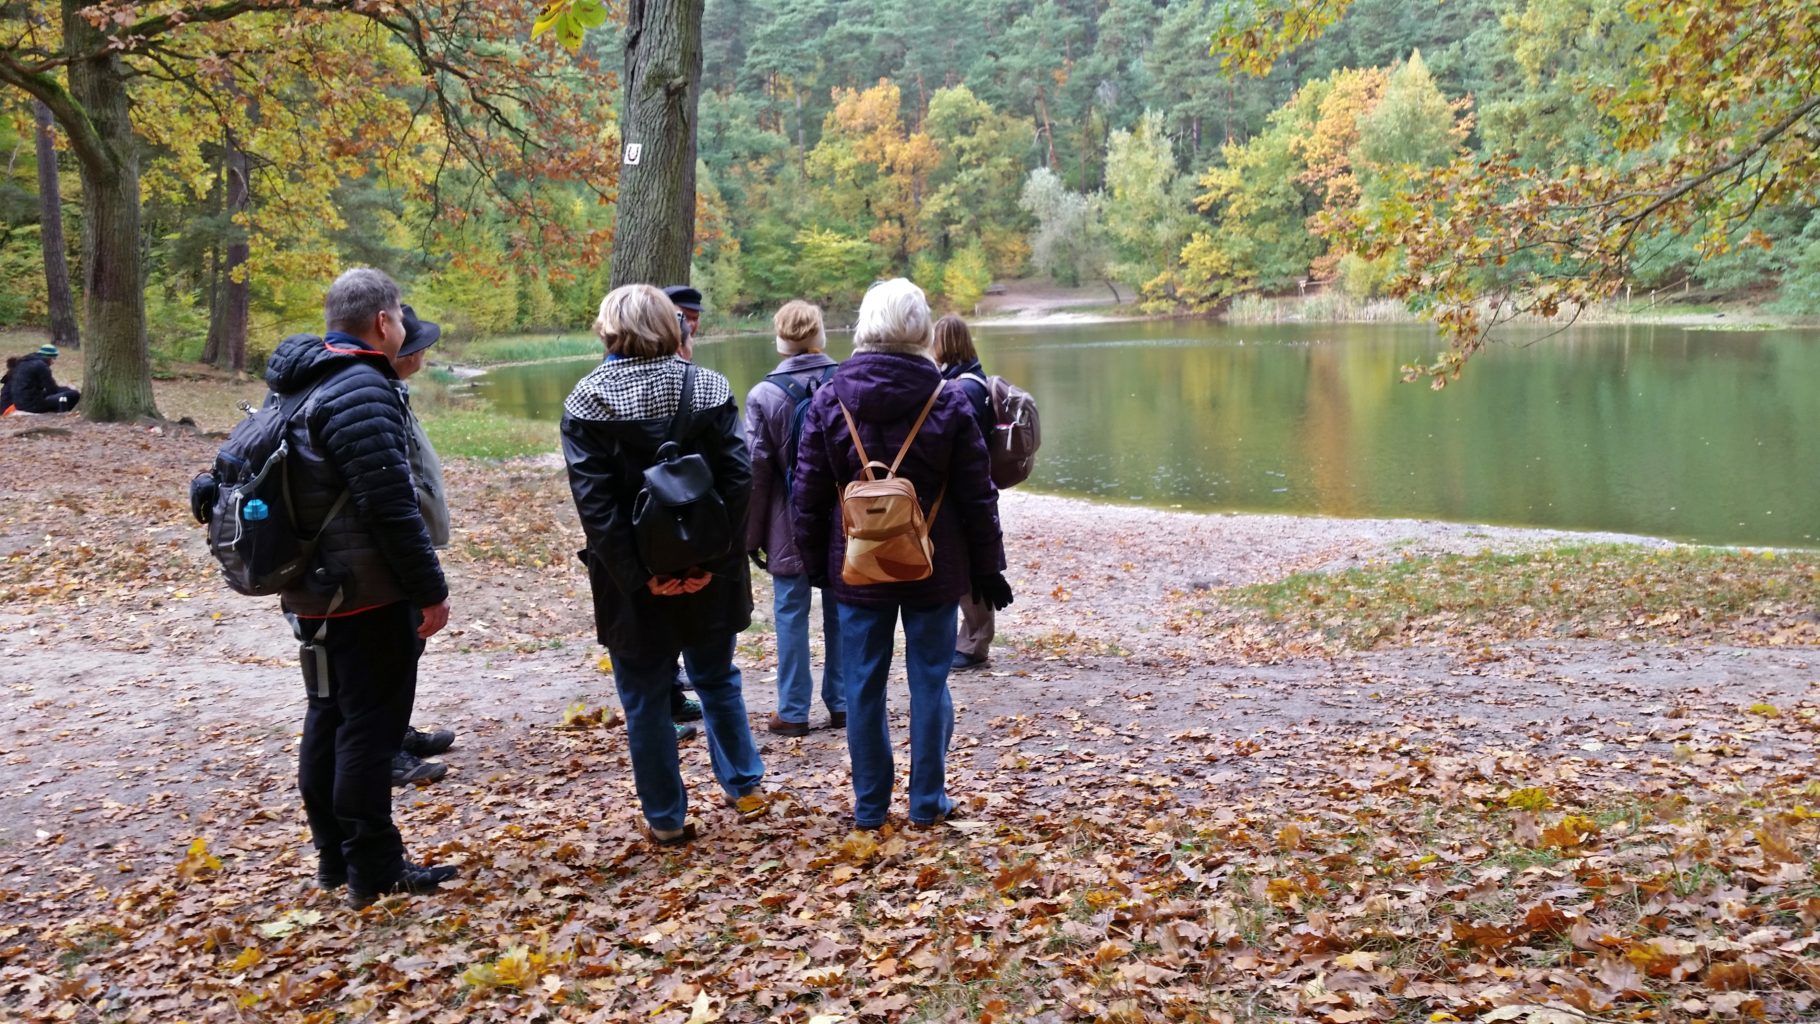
(519,968)
(197,862)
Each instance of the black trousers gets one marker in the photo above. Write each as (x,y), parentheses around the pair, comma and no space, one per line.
(350,736)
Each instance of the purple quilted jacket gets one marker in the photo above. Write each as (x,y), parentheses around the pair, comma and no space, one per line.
(885,391)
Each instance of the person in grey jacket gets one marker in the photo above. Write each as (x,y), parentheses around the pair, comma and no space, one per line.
(772,428)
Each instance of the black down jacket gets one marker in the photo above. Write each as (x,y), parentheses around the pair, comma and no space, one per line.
(352,435)
(612,426)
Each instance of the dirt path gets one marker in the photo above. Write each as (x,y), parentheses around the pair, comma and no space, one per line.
(137,683)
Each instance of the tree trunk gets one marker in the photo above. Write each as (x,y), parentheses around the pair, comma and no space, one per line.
(1042,108)
(117,379)
(50,234)
(229,312)
(654,220)
(802,137)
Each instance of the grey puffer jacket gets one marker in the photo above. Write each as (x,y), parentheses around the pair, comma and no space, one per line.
(351,435)
(770,415)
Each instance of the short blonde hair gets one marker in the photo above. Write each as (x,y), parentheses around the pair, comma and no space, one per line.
(893,317)
(637,321)
(799,328)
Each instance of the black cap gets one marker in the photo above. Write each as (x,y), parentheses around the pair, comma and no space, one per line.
(684,297)
(418,334)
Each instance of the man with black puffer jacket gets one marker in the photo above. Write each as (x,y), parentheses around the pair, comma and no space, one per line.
(374,592)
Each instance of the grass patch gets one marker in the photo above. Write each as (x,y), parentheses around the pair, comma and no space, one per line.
(1577,591)
(479,433)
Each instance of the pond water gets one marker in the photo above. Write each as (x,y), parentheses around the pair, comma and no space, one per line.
(1700,435)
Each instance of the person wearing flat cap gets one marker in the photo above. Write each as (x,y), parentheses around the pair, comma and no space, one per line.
(30,387)
(408,765)
(687,301)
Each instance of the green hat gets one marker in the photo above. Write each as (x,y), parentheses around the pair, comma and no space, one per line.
(48,351)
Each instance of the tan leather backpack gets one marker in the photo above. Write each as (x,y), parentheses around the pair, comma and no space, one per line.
(887,534)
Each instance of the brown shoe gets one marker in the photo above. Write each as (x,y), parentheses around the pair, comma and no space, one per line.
(837,719)
(785,727)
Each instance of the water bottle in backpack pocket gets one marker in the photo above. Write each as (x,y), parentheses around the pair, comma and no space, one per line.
(246,502)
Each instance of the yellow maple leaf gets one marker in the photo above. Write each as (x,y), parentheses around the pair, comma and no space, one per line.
(197,861)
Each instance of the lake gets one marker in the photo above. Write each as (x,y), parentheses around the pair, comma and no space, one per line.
(1699,435)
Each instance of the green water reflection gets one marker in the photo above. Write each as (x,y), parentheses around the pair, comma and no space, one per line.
(1703,435)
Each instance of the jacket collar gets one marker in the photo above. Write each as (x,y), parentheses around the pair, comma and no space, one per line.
(804,361)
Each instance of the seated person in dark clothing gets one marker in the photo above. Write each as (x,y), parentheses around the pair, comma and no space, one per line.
(30,387)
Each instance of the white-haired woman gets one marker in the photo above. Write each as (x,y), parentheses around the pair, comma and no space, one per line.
(888,385)
(613,425)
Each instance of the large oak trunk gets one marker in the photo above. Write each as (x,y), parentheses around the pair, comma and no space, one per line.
(117,381)
(50,234)
(654,220)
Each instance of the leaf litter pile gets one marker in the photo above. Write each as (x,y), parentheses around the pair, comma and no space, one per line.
(1201,828)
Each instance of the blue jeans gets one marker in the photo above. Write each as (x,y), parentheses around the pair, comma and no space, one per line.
(866,642)
(790,601)
(644,693)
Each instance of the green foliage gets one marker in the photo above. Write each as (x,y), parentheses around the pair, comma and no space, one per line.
(834,269)
(1801,282)
(1365,278)
(175,325)
(23,298)
(1146,204)
(965,279)
(1069,243)
(469,300)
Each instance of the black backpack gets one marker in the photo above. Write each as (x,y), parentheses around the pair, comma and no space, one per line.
(800,396)
(246,502)
(678,519)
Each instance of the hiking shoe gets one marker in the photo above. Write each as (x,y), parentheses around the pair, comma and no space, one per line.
(963,662)
(408,770)
(330,876)
(837,719)
(671,837)
(415,878)
(785,727)
(685,733)
(418,743)
(689,712)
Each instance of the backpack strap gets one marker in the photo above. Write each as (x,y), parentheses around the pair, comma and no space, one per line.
(917,427)
(790,386)
(685,406)
(865,461)
(284,483)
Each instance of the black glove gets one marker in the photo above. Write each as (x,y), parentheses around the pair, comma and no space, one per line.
(992,590)
(819,582)
(203,491)
(758,558)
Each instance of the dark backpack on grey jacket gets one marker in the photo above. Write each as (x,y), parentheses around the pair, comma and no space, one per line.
(246,502)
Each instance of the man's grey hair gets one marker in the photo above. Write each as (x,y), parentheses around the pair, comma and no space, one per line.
(357,296)
(894,317)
